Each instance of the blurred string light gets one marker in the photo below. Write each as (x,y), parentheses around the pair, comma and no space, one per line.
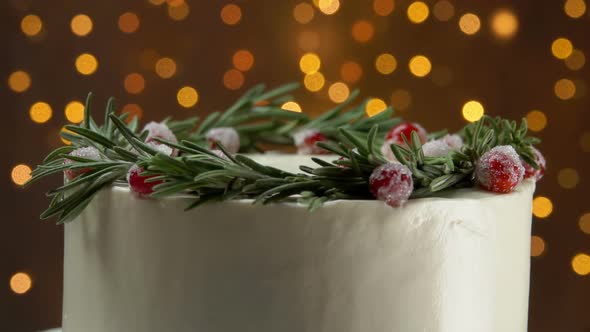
(233,79)
(165,67)
(576,60)
(469,24)
(157,2)
(314,82)
(420,65)
(86,64)
(292,107)
(303,13)
(351,72)
(562,48)
(19,81)
(178,12)
(134,111)
(585,141)
(40,112)
(504,24)
(31,25)
(473,110)
(564,89)
(574,8)
(443,10)
(74,111)
(128,22)
(329,7)
(20,283)
(385,63)
(383,7)
(418,12)
(187,96)
(401,99)
(338,92)
(542,207)
(568,178)
(243,60)
(308,41)
(310,63)
(536,120)
(441,75)
(375,106)
(231,14)
(537,246)
(584,223)
(362,31)
(581,264)
(134,83)
(81,25)
(20,174)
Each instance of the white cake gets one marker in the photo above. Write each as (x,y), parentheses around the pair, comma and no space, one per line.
(458,263)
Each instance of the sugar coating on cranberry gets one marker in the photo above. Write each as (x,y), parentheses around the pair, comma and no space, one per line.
(159,130)
(220,154)
(386,150)
(454,141)
(436,148)
(406,129)
(499,170)
(227,136)
(391,183)
(532,173)
(137,182)
(89,152)
(306,140)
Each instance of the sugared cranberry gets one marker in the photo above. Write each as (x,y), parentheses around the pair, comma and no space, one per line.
(160,130)
(137,182)
(406,128)
(227,136)
(306,140)
(499,170)
(530,172)
(391,183)
(85,152)
(386,150)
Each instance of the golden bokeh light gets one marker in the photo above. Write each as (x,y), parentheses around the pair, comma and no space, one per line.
(20,174)
(362,31)
(375,106)
(134,111)
(310,63)
(81,25)
(243,60)
(292,107)
(401,99)
(585,141)
(504,24)
(157,2)
(187,96)
(179,12)
(469,24)
(418,12)
(581,264)
(443,10)
(64,130)
(542,207)
(329,7)
(165,67)
(74,111)
(308,41)
(562,48)
(19,81)
(584,223)
(574,8)
(537,246)
(128,22)
(233,79)
(472,110)
(31,25)
(564,89)
(383,7)
(40,112)
(86,64)
(338,92)
(576,60)
(134,83)
(351,72)
(568,178)
(385,63)
(420,65)
(536,120)
(231,14)
(20,283)
(303,13)
(314,82)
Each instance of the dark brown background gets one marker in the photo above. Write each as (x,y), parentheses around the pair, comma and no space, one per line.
(510,79)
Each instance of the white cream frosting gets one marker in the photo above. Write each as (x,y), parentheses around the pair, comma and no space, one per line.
(458,263)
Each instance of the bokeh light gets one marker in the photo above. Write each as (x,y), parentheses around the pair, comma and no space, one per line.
(19,81)
(564,89)
(443,10)
(134,83)
(568,178)
(303,13)
(401,99)
(536,120)
(243,60)
(157,2)
(537,246)
(31,25)
(420,65)
(375,106)
(74,111)
(86,64)
(469,24)
(329,7)
(128,22)
(584,223)
(20,283)
(40,112)
(383,7)
(292,107)
(504,24)
(165,67)
(418,12)
(310,63)
(574,8)
(81,25)
(179,12)
(576,60)
(385,63)
(64,130)
(542,207)
(362,31)
(187,96)
(338,92)
(314,82)
(473,110)
(581,264)
(233,79)
(561,48)
(351,72)
(231,14)
(134,111)
(20,174)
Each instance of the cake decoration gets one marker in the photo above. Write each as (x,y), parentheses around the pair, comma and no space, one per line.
(391,183)
(89,152)
(226,136)
(499,170)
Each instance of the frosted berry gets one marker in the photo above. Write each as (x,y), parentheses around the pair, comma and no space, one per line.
(85,152)
(530,172)
(391,183)
(499,170)
(455,142)
(137,182)
(386,150)
(160,130)
(306,140)
(436,148)
(406,128)
(220,154)
(227,136)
